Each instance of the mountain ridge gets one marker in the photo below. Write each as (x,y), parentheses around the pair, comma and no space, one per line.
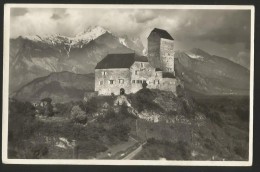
(33,58)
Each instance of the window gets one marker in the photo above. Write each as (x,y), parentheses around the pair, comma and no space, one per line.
(101,82)
(111,81)
(121,81)
(156,74)
(136,72)
(142,65)
(156,82)
(104,73)
(144,81)
(139,81)
(133,81)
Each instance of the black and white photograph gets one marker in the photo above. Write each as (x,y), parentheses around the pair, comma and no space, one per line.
(128,84)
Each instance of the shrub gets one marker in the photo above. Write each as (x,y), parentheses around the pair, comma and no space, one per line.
(63,109)
(143,99)
(78,115)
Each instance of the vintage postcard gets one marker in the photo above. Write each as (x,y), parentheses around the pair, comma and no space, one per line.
(128,84)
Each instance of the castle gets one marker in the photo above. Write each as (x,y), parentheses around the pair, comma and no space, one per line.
(130,70)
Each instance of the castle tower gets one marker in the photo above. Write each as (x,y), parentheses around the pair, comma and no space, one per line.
(161,50)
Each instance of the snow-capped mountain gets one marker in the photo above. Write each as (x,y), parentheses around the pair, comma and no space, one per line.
(87,35)
(39,55)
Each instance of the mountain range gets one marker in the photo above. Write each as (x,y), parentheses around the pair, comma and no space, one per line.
(36,56)
(211,75)
(37,65)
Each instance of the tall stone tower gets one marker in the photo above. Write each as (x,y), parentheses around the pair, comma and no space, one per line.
(161,50)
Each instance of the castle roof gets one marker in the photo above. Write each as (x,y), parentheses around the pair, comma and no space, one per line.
(162,33)
(112,61)
(167,75)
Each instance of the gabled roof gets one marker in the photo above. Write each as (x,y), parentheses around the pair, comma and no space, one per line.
(113,61)
(167,75)
(162,33)
(158,69)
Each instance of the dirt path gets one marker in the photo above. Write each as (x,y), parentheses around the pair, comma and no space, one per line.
(134,152)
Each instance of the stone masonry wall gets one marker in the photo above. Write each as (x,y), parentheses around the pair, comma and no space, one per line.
(143,71)
(154,50)
(167,55)
(169,84)
(103,81)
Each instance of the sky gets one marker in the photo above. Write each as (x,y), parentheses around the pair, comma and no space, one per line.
(224,33)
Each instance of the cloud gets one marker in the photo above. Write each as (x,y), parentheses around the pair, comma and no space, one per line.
(18,12)
(143,16)
(222,26)
(56,17)
(213,30)
(59,13)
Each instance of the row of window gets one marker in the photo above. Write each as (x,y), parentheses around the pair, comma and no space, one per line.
(142,81)
(121,81)
(138,81)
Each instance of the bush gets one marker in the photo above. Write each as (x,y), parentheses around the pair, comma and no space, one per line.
(21,120)
(143,100)
(63,109)
(78,115)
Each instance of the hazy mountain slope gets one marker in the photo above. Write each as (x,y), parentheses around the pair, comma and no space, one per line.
(36,56)
(209,74)
(60,86)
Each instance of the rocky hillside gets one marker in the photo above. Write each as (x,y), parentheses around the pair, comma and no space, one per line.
(60,87)
(36,56)
(210,74)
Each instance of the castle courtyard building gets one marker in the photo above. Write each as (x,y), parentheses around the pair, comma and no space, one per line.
(129,71)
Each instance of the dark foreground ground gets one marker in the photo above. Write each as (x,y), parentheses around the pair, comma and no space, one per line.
(202,128)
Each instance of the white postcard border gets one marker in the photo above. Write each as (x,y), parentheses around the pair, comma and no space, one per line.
(119,162)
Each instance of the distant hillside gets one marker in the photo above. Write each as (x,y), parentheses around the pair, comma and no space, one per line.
(60,86)
(211,75)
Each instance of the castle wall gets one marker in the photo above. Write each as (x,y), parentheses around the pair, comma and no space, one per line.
(109,81)
(167,55)
(154,50)
(169,84)
(143,71)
